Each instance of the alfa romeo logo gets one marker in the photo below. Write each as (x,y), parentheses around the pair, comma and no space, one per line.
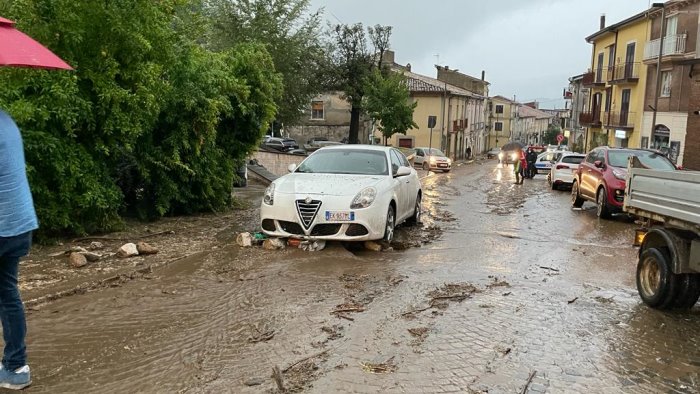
(308,200)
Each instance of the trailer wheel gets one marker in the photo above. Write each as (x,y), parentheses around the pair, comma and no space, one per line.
(656,283)
(688,291)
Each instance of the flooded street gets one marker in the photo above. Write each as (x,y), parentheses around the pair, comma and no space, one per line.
(502,287)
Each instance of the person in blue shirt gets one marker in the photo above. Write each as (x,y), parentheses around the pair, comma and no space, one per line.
(17,221)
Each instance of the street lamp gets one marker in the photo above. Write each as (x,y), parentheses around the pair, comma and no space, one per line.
(658,68)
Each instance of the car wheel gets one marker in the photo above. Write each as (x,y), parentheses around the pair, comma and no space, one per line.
(688,291)
(553,185)
(603,211)
(656,283)
(576,200)
(417,211)
(425,166)
(390,223)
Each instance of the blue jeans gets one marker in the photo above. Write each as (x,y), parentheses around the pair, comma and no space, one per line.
(14,327)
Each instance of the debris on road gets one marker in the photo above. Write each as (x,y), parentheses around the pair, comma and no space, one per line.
(334,332)
(244,240)
(572,300)
(348,307)
(254,382)
(440,297)
(313,246)
(373,246)
(273,244)
(262,336)
(419,332)
(77,260)
(128,250)
(145,248)
(497,283)
(549,268)
(387,366)
(96,245)
(529,381)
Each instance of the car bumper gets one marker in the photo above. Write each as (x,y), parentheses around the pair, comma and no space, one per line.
(441,166)
(282,219)
(562,177)
(543,169)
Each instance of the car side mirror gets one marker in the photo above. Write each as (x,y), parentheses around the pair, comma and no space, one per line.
(292,167)
(402,171)
(598,164)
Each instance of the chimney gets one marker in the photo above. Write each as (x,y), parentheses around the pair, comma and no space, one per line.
(388,58)
(483,75)
(447,68)
(408,66)
(602,21)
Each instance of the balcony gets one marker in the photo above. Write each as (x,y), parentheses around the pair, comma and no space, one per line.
(619,120)
(624,73)
(591,119)
(673,45)
(591,79)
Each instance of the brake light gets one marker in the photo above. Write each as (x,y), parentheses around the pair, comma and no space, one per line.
(562,166)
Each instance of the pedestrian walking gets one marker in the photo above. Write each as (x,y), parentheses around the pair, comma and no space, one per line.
(17,221)
(17,215)
(520,166)
(469,152)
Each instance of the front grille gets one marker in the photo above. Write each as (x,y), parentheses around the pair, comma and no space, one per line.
(307,211)
(321,230)
(291,227)
(356,230)
(268,225)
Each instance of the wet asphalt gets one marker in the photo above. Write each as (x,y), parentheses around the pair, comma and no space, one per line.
(503,288)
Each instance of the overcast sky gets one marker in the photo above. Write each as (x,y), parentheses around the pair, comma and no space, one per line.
(528,48)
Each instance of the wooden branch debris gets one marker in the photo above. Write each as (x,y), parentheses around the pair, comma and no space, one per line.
(386,367)
(167,232)
(549,268)
(304,360)
(529,381)
(279,379)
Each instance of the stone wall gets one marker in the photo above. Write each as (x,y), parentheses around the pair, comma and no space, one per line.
(276,163)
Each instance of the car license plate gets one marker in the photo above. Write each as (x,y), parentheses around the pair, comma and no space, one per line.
(340,216)
(442,165)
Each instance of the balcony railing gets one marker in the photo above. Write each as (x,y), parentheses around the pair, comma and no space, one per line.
(673,45)
(625,72)
(590,119)
(593,78)
(621,120)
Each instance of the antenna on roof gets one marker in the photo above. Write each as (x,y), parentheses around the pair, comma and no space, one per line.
(437,58)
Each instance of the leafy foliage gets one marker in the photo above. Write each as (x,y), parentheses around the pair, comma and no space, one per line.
(387,102)
(150,123)
(550,136)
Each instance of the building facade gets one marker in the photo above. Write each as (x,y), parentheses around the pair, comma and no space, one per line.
(676,97)
(502,115)
(617,79)
(578,98)
(531,125)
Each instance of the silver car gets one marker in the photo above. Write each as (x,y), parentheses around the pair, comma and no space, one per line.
(432,159)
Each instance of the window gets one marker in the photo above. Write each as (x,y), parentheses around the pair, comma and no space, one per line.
(498,126)
(317,110)
(665,84)
(395,162)
(591,158)
(671,26)
(499,109)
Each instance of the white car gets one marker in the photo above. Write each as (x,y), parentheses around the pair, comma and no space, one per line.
(343,193)
(432,159)
(564,169)
(545,160)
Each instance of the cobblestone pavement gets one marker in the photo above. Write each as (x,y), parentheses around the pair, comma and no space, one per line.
(519,290)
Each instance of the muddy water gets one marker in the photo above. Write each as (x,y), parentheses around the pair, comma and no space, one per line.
(500,281)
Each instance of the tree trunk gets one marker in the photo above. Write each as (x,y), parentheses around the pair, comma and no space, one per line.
(354,125)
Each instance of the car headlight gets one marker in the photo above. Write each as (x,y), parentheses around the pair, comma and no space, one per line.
(500,155)
(432,160)
(619,174)
(449,161)
(514,156)
(269,198)
(364,198)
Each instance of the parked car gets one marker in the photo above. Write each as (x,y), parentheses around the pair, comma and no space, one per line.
(545,160)
(564,169)
(432,159)
(344,193)
(493,153)
(313,140)
(537,148)
(279,144)
(601,177)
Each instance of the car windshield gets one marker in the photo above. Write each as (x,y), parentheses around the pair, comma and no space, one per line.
(572,159)
(346,161)
(434,152)
(618,158)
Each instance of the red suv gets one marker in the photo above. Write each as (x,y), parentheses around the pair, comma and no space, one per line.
(601,178)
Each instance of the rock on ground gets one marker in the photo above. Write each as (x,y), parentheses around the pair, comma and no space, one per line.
(244,240)
(145,248)
(77,260)
(128,250)
(273,244)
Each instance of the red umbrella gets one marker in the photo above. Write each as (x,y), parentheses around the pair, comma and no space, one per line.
(19,50)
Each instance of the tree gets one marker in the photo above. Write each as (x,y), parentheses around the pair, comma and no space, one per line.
(291,35)
(550,136)
(387,101)
(355,63)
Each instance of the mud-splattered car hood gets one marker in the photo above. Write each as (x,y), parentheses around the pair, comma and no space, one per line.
(326,184)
